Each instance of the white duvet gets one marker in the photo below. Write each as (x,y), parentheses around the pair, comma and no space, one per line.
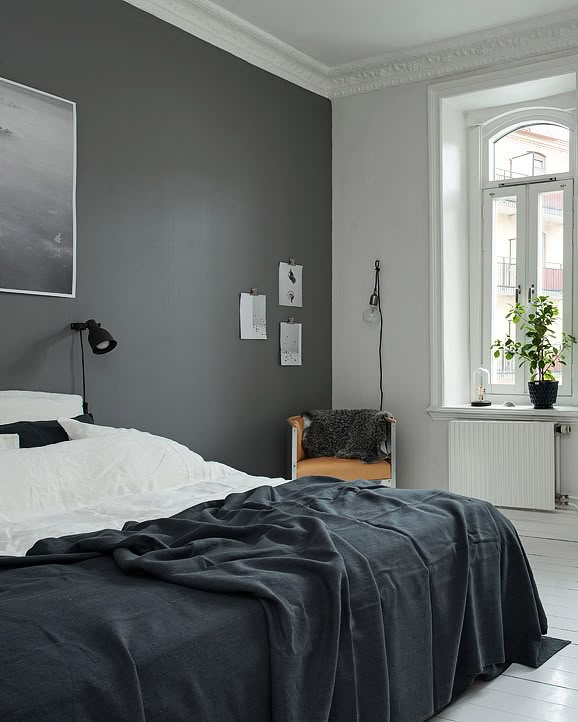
(102,478)
(17,537)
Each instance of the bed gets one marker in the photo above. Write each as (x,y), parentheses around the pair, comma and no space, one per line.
(227,597)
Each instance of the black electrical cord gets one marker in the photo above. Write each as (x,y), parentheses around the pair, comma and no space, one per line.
(380,351)
(84,404)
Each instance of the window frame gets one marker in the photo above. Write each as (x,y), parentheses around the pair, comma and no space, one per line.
(475,97)
(501,125)
(527,270)
(481,159)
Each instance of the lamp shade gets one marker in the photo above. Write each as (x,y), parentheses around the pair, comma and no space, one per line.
(99,339)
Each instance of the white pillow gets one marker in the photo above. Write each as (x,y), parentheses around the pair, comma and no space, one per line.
(64,477)
(77,430)
(37,406)
(8,442)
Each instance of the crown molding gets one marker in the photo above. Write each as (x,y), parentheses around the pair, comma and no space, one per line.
(519,41)
(229,32)
(547,34)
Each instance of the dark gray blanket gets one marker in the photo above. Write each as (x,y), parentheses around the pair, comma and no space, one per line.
(363,434)
(317,600)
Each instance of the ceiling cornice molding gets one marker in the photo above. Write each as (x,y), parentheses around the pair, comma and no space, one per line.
(229,32)
(540,36)
(523,40)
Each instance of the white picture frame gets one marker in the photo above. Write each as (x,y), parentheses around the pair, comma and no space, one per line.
(38,139)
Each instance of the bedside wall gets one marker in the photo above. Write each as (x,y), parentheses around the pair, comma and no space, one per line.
(197,174)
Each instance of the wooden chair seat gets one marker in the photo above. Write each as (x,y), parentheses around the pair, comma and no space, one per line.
(346,469)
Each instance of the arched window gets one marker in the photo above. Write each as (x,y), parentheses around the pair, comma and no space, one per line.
(527,228)
(532,150)
(528,143)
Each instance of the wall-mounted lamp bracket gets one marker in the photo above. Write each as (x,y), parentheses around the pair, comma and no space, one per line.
(254,292)
(100,341)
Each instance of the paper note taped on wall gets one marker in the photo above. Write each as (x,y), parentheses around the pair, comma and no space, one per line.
(290,285)
(253,316)
(290,343)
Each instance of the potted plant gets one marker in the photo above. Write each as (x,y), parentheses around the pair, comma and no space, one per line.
(537,349)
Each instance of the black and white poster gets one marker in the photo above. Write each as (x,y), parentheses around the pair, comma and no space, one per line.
(37,192)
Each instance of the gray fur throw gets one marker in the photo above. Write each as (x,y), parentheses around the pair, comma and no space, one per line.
(362,434)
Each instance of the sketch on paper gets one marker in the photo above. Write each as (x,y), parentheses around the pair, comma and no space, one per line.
(253,316)
(290,344)
(37,192)
(290,285)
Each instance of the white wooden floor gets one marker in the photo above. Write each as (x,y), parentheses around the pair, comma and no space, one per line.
(550,693)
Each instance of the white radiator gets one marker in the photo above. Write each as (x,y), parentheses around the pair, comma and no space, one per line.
(509,463)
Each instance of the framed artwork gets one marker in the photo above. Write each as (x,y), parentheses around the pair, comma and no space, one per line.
(37,192)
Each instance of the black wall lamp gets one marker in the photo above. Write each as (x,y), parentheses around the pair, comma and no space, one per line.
(100,341)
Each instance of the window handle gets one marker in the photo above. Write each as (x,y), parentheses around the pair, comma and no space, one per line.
(518,293)
(531,292)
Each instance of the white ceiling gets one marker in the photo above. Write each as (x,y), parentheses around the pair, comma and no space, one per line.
(335,32)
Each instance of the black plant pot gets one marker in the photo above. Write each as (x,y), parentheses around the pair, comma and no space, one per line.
(543,394)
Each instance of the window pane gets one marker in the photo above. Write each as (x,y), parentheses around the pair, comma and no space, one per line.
(541,149)
(551,255)
(504,280)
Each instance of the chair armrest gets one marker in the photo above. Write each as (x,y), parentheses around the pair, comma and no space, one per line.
(297,425)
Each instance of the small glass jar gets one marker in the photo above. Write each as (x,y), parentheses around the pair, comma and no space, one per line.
(480,382)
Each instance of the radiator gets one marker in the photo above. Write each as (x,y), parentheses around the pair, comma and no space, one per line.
(509,463)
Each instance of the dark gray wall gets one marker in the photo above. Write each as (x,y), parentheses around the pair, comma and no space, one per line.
(197,174)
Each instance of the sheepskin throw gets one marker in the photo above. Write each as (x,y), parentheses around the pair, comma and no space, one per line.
(362,434)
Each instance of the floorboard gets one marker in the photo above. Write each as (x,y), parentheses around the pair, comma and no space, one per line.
(548,694)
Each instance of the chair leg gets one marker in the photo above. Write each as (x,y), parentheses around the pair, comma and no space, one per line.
(393,460)
(293,452)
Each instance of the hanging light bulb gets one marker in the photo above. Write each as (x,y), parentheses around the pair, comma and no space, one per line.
(372,314)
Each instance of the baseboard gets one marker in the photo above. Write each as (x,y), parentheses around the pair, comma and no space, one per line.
(560,524)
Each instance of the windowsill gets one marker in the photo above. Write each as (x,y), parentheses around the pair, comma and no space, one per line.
(497,412)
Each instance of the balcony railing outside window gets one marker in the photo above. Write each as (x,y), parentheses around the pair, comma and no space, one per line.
(506,371)
(507,174)
(506,274)
(552,277)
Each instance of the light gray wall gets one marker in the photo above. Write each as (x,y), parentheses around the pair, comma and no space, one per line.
(381,211)
(381,206)
(197,174)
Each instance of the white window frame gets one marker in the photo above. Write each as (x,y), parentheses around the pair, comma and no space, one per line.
(443,402)
(482,190)
(500,126)
(527,263)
